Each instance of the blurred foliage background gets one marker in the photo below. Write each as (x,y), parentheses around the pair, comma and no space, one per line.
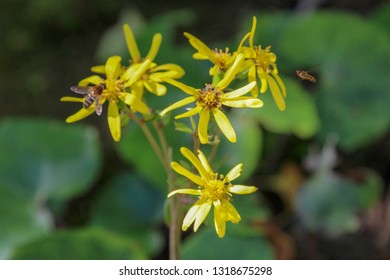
(323,165)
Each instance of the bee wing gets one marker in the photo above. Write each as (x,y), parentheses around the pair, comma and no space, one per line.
(98,107)
(314,67)
(80,90)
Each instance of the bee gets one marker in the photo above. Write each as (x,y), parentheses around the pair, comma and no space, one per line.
(93,95)
(304,75)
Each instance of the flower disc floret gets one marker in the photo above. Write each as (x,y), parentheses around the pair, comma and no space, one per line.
(209,97)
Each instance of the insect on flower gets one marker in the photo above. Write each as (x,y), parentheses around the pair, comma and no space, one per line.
(304,75)
(93,95)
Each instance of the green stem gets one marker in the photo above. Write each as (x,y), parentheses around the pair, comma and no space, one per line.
(215,147)
(196,142)
(164,154)
(151,140)
(174,227)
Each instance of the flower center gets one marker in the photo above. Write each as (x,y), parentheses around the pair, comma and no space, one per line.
(209,97)
(265,59)
(113,88)
(217,189)
(222,57)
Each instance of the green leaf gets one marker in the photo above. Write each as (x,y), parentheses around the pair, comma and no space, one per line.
(182,127)
(300,117)
(84,244)
(20,221)
(43,159)
(381,17)
(130,206)
(135,149)
(247,150)
(206,245)
(329,204)
(352,94)
(370,190)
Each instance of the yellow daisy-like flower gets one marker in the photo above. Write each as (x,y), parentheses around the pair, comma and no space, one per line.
(153,76)
(111,89)
(262,65)
(222,59)
(211,98)
(213,189)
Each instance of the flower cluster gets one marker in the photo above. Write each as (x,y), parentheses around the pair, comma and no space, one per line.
(252,61)
(123,87)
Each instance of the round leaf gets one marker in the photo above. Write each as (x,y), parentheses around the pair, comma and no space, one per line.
(352,95)
(130,206)
(85,244)
(206,245)
(43,158)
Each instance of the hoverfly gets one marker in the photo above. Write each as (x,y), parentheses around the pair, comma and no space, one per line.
(304,75)
(93,95)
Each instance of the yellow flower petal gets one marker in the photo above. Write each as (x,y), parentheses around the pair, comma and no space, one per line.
(137,89)
(100,69)
(244,102)
(231,212)
(201,47)
(252,32)
(113,67)
(168,70)
(184,191)
(131,44)
(139,106)
(199,56)
(252,78)
(219,219)
(156,88)
(94,80)
(114,121)
(240,91)
(187,89)
(277,95)
(281,85)
(231,73)
(136,104)
(178,104)
(182,171)
(191,215)
(225,126)
(72,99)
(135,73)
(240,48)
(127,98)
(203,125)
(190,113)
(205,163)
(201,214)
(234,173)
(263,79)
(81,114)
(195,161)
(240,189)
(156,42)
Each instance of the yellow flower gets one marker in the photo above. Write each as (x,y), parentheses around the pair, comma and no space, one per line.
(211,98)
(213,189)
(153,76)
(262,65)
(222,60)
(112,90)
